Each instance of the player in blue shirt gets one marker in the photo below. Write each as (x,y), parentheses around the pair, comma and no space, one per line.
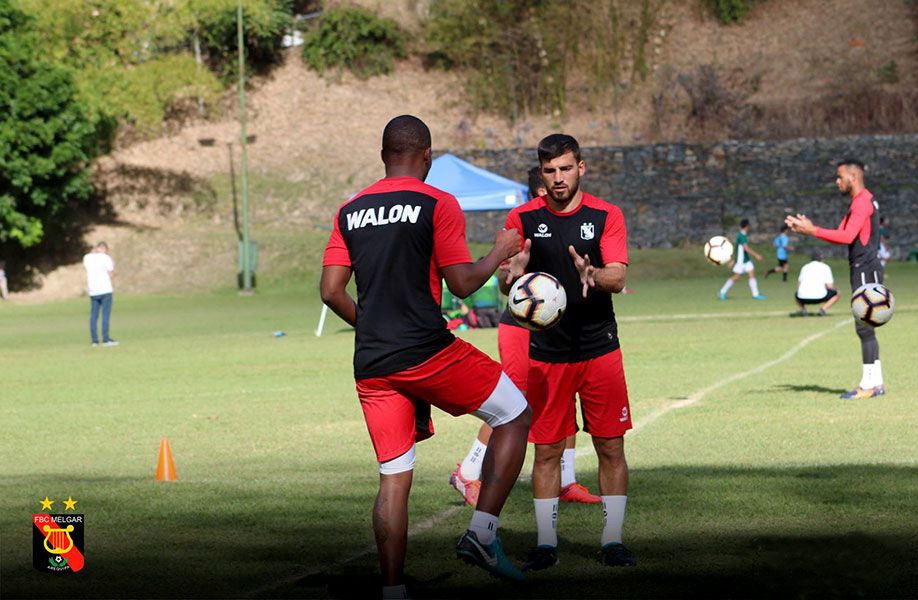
(782,245)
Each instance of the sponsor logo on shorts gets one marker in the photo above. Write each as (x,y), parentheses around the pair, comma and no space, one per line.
(624,416)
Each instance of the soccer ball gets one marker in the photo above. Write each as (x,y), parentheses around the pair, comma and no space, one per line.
(537,301)
(718,250)
(873,304)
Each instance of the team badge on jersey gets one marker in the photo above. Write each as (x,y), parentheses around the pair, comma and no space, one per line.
(586,231)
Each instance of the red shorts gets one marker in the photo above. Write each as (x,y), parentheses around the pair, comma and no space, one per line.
(458,379)
(600,384)
(513,345)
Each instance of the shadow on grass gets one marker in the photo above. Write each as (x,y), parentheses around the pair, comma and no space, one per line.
(818,389)
(820,531)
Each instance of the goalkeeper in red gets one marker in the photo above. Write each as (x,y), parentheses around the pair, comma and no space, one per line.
(860,231)
(581,240)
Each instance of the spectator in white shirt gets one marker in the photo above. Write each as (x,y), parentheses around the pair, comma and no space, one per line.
(4,292)
(815,285)
(99,270)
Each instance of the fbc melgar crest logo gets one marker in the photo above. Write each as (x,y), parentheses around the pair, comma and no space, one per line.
(57,539)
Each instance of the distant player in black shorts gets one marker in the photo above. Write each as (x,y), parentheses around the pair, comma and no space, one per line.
(398,238)
(860,230)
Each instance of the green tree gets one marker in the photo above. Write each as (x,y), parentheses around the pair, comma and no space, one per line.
(46,139)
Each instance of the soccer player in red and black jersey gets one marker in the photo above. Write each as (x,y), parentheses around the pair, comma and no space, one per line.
(581,240)
(398,237)
(513,345)
(860,230)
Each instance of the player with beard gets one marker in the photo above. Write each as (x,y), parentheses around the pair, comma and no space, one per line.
(860,230)
(581,240)
(513,346)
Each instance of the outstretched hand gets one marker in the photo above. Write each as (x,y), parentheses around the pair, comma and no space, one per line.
(584,268)
(516,266)
(800,224)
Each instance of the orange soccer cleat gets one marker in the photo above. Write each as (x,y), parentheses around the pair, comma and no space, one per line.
(574,492)
(468,488)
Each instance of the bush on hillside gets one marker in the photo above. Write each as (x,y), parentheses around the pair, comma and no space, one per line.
(354,39)
(46,139)
(519,55)
(729,11)
(264,21)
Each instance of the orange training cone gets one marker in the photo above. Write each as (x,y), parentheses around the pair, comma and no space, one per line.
(165,467)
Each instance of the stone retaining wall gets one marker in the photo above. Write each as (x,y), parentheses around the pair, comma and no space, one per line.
(682,194)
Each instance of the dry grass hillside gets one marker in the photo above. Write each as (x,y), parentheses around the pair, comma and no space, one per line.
(780,72)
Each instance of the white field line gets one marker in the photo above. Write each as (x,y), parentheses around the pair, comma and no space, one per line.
(695,397)
(433,521)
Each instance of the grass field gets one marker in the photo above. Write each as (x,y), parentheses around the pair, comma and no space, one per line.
(749,477)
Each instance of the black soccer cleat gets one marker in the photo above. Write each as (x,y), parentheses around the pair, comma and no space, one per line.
(616,555)
(489,557)
(541,558)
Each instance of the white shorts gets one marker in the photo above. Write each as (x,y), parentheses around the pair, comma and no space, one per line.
(740,268)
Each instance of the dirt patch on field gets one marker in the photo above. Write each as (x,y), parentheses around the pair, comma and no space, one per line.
(323,134)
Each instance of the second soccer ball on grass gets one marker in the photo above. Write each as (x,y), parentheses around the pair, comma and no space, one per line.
(537,301)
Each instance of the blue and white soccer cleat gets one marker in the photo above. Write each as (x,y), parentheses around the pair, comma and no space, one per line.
(860,393)
(722,295)
(489,557)
(759,297)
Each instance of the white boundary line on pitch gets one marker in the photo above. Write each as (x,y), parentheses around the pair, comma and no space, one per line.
(433,521)
(696,397)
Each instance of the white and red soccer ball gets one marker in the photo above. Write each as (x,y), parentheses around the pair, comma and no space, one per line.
(537,301)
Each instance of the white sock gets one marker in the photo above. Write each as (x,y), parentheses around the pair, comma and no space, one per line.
(613,517)
(567,467)
(471,464)
(727,285)
(394,591)
(877,373)
(754,286)
(866,377)
(484,525)
(546,513)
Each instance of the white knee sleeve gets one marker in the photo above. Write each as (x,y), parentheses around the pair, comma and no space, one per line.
(399,464)
(504,404)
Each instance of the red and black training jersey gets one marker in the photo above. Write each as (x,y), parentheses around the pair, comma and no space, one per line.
(860,230)
(397,235)
(595,228)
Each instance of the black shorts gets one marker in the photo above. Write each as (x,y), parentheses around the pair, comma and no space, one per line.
(829,294)
(782,262)
(867,272)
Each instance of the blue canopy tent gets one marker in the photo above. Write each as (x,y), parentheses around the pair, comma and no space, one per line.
(474,187)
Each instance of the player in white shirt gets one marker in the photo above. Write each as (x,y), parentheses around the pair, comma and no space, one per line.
(99,270)
(815,285)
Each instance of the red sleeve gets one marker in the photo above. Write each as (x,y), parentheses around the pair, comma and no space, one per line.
(514,222)
(450,247)
(336,250)
(851,225)
(614,242)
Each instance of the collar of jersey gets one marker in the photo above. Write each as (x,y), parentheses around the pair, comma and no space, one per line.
(564,214)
